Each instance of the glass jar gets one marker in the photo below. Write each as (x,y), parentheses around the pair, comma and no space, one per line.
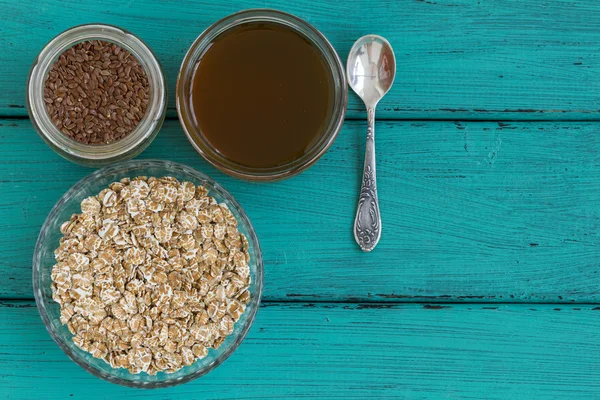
(199,141)
(98,154)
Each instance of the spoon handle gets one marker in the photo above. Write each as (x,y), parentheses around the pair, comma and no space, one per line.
(367,225)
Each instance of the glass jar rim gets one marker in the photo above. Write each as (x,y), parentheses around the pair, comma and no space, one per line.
(140,136)
(336,119)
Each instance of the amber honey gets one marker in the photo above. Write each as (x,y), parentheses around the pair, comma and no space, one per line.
(262,94)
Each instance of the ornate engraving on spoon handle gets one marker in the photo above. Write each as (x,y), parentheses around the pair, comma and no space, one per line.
(367,225)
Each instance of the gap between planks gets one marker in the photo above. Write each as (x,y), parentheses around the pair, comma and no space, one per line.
(404,119)
(484,305)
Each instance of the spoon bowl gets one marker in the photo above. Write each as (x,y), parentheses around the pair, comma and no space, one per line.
(371,69)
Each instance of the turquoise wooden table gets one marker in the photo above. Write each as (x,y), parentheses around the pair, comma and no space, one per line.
(486,281)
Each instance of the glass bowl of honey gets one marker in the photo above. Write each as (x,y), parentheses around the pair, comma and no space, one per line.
(261,95)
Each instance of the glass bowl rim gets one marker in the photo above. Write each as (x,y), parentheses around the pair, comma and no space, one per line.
(340,96)
(212,186)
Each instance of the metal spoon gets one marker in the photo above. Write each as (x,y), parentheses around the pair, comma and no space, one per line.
(371,69)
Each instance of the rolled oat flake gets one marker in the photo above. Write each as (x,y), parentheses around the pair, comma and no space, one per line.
(96,92)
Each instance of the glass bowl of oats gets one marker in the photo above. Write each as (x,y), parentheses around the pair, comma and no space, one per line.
(147,274)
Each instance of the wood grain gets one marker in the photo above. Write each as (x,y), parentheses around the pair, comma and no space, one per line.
(471,211)
(361,351)
(457,59)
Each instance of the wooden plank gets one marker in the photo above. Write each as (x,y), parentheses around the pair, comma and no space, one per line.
(350,352)
(457,59)
(471,211)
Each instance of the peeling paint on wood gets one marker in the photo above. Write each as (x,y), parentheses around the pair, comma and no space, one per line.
(456,59)
(520,225)
(337,351)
